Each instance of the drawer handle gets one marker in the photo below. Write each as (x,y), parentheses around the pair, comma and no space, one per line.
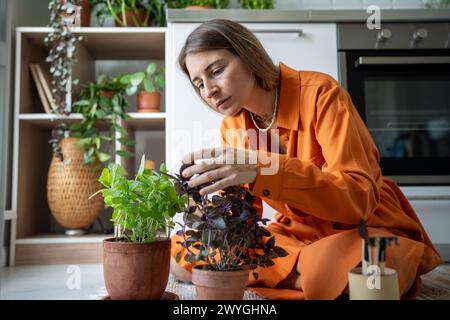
(439,198)
(298,32)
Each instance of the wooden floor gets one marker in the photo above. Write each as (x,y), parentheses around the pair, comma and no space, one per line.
(59,282)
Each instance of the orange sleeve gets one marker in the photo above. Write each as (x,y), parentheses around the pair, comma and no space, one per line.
(257,202)
(345,188)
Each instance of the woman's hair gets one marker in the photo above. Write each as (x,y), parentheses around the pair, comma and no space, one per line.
(232,36)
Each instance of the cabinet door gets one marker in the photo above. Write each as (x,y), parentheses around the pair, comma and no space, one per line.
(191,124)
(301,46)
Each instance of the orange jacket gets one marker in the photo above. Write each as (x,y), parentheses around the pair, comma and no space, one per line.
(326,182)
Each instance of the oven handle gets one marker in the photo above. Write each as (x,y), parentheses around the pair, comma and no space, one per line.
(429,197)
(363,61)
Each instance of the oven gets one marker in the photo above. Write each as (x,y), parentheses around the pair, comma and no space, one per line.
(399,80)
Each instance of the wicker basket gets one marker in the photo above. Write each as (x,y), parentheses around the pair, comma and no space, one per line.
(70,184)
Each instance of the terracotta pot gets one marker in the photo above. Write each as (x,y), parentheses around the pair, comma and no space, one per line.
(141,13)
(136,271)
(219,285)
(85,13)
(149,101)
(107,94)
(70,183)
(197,7)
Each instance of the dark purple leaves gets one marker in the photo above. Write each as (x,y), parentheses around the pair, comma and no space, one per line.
(228,223)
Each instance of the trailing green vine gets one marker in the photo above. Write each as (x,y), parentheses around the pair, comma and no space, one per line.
(61,57)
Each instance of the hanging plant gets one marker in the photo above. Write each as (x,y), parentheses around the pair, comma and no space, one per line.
(61,58)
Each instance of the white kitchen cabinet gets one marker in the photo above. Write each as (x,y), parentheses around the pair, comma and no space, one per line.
(432,206)
(191,125)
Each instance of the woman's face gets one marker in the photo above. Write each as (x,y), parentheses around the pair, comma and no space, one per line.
(222,79)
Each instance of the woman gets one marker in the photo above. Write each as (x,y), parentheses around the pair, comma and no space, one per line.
(323,177)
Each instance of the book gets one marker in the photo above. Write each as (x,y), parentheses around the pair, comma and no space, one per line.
(40,89)
(45,79)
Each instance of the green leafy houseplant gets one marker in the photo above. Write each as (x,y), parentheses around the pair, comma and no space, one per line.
(226,232)
(136,261)
(143,206)
(217,4)
(103,100)
(257,4)
(150,80)
(118,8)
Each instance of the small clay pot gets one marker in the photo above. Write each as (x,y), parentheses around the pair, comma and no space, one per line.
(219,285)
(85,13)
(136,271)
(197,7)
(149,101)
(106,94)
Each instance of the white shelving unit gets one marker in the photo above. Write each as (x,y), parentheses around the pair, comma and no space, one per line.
(110,50)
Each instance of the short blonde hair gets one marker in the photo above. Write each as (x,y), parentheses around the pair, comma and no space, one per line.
(234,37)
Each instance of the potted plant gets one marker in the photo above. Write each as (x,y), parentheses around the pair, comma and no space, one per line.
(130,13)
(226,239)
(136,261)
(148,85)
(197,4)
(436,4)
(256,4)
(101,101)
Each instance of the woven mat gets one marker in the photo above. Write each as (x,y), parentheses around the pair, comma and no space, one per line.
(436,286)
(186,291)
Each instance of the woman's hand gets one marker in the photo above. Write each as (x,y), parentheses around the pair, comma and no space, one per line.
(223,166)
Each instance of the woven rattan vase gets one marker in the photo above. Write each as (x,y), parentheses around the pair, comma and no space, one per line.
(70,183)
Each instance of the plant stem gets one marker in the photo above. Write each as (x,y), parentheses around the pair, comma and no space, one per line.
(124,16)
(111,10)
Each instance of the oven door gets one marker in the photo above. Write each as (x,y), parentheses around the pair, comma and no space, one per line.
(404,99)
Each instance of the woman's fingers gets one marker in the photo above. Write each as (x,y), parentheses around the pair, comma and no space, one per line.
(206,165)
(219,185)
(207,153)
(209,176)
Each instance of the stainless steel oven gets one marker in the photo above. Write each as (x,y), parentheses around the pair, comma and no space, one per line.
(399,80)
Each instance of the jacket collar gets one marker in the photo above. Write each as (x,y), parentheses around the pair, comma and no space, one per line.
(288,101)
(289,98)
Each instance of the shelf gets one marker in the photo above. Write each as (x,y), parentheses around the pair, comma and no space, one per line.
(39,239)
(146,121)
(59,249)
(139,121)
(62,238)
(112,43)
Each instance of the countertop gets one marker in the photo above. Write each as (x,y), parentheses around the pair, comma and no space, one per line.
(267,16)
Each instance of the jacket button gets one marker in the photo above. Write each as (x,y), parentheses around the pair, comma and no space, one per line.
(266,193)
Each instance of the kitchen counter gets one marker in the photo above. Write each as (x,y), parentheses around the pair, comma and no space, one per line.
(267,16)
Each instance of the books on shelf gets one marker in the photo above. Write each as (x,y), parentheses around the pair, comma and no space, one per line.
(42,84)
